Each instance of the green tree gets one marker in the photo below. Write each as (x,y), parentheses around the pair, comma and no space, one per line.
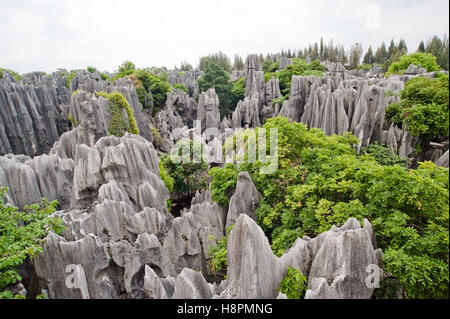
(216,77)
(321,181)
(421,47)
(425,60)
(368,57)
(220,59)
(294,284)
(21,236)
(238,91)
(424,108)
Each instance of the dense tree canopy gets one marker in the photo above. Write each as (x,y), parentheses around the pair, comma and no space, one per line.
(321,181)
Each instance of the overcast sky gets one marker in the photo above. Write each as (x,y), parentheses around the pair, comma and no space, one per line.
(43,35)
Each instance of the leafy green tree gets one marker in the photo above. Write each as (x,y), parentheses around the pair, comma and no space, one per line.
(421,48)
(157,86)
(238,91)
(238,63)
(368,57)
(220,59)
(424,107)
(127,68)
(321,181)
(355,55)
(381,54)
(188,176)
(217,77)
(425,60)
(21,237)
(294,284)
(185,66)
(223,183)
(218,253)
(384,155)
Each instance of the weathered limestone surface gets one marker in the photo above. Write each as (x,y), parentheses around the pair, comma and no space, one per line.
(33,113)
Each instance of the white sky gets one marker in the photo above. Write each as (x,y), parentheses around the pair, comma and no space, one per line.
(43,35)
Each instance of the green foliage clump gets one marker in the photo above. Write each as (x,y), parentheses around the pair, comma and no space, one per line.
(188,176)
(156,85)
(238,91)
(15,75)
(119,123)
(217,77)
(424,107)
(167,179)
(72,74)
(218,253)
(270,67)
(294,284)
(298,67)
(384,155)
(425,60)
(321,181)
(220,59)
(280,100)
(223,183)
(21,237)
(181,87)
(91,69)
(151,88)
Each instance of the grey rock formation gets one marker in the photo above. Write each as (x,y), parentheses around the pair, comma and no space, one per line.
(188,241)
(187,78)
(208,112)
(244,200)
(335,262)
(443,160)
(29,179)
(415,70)
(190,284)
(33,113)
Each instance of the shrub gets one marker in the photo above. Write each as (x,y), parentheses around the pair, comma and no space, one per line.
(216,77)
(218,253)
(238,91)
(425,60)
(167,179)
(21,237)
(72,74)
(384,155)
(294,284)
(321,181)
(15,75)
(423,107)
(181,87)
(91,69)
(223,183)
(119,124)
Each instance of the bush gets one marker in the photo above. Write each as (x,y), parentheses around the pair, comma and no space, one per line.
(424,107)
(188,177)
(321,181)
(218,253)
(223,183)
(15,75)
(21,237)
(238,91)
(216,77)
(181,87)
(294,284)
(384,155)
(425,60)
(167,179)
(119,124)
